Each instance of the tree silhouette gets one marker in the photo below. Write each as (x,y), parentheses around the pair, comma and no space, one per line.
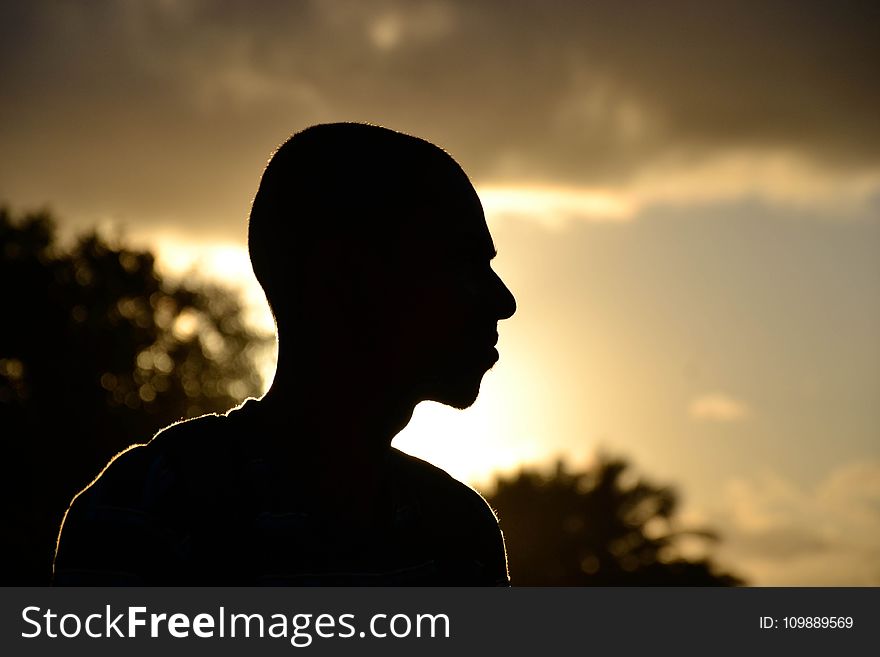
(97,352)
(601,527)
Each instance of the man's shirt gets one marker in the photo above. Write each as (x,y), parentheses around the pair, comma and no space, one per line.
(204,503)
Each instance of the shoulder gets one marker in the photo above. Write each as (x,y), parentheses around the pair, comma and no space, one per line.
(139,476)
(129,511)
(435,486)
(459,516)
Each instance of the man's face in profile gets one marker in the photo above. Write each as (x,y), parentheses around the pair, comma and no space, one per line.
(449,300)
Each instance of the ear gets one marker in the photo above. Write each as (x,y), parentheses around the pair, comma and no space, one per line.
(336,274)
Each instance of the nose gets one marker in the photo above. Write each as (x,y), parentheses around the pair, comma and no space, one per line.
(504,302)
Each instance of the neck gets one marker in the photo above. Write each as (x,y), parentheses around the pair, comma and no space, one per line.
(339,419)
(332,435)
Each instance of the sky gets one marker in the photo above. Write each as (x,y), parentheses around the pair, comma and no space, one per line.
(685,198)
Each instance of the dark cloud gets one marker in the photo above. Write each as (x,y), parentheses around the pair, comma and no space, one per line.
(161,105)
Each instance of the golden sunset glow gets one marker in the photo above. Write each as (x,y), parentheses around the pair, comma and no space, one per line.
(685,200)
(552,205)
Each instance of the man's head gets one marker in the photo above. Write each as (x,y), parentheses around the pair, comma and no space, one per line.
(373,251)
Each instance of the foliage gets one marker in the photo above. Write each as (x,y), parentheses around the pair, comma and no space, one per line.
(601,527)
(98,352)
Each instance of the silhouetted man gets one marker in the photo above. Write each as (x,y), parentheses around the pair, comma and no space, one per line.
(374,254)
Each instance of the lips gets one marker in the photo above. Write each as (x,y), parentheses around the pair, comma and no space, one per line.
(479,352)
(492,351)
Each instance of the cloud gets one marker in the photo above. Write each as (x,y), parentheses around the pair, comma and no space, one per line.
(415,22)
(685,103)
(718,407)
(553,206)
(781,534)
(776,179)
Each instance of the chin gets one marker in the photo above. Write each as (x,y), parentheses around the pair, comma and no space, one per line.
(460,393)
(460,401)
